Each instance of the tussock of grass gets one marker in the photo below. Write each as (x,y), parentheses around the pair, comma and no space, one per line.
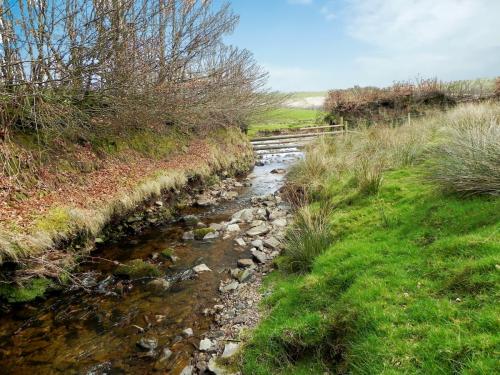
(312,173)
(309,236)
(467,160)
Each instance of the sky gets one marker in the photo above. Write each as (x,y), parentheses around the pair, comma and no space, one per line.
(314,45)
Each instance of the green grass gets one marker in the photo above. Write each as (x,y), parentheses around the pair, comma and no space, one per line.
(408,286)
(307,94)
(286,118)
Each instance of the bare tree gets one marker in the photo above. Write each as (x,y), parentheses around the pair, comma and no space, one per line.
(110,56)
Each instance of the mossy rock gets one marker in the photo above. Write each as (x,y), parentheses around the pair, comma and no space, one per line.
(191,220)
(168,253)
(137,268)
(27,292)
(202,232)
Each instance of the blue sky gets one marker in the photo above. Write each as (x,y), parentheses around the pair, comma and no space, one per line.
(311,45)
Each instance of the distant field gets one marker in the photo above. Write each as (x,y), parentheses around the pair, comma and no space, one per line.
(286,118)
(307,94)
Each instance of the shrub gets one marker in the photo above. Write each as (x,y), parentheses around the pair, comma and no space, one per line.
(375,105)
(310,235)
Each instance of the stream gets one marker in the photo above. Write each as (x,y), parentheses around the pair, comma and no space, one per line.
(96,330)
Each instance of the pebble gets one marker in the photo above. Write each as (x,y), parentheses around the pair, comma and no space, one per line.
(260,256)
(201,268)
(206,345)
(216,226)
(279,223)
(231,286)
(188,370)
(233,228)
(258,231)
(271,243)
(188,235)
(211,236)
(148,343)
(230,349)
(245,275)
(241,242)
(243,263)
(259,244)
(188,332)
(166,354)
(159,285)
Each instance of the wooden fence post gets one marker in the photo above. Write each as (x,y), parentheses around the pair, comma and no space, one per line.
(409,118)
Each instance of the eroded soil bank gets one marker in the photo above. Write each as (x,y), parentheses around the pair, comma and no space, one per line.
(202,294)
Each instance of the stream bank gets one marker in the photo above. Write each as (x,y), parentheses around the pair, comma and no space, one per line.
(205,295)
(45,236)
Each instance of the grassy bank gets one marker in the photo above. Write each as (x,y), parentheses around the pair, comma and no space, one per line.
(285,119)
(393,265)
(108,180)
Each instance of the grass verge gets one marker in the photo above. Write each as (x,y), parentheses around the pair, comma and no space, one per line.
(409,286)
(409,280)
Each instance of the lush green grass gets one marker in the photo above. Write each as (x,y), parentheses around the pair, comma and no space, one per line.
(409,286)
(286,118)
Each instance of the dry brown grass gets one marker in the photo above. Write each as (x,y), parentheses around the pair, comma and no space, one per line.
(462,146)
(467,158)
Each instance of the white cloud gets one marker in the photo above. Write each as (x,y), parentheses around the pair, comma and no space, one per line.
(447,38)
(301,2)
(327,11)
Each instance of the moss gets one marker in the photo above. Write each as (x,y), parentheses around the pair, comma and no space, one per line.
(137,268)
(56,220)
(144,141)
(33,289)
(202,232)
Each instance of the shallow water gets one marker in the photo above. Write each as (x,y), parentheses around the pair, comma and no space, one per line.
(95,331)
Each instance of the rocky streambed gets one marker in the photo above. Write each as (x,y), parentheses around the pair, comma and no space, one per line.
(173,299)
